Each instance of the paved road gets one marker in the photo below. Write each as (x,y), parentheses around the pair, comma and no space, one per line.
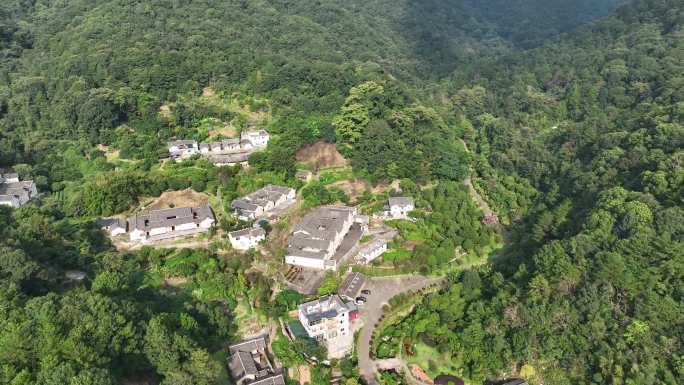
(382,289)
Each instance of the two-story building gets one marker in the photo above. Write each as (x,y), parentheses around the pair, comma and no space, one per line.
(400,207)
(257,139)
(182,149)
(328,320)
(246,239)
(261,202)
(170,223)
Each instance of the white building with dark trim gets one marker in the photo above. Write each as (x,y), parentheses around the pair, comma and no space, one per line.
(261,202)
(316,238)
(400,207)
(171,223)
(328,320)
(246,239)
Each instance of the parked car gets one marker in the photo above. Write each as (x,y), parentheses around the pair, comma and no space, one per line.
(365,292)
(360,300)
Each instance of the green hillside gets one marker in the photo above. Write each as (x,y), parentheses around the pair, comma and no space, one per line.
(570,128)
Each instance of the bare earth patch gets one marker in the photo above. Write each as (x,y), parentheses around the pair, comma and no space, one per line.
(208,92)
(183,198)
(321,155)
(165,111)
(175,281)
(353,188)
(108,152)
(420,374)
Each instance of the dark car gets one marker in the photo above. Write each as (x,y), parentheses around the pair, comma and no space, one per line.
(360,300)
(365,292)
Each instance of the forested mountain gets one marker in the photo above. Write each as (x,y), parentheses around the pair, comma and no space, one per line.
(576,141)
(580,145)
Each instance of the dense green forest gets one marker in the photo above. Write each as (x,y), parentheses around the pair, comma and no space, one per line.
(575,137)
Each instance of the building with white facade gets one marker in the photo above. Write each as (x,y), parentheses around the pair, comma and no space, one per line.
(261,202)
(16,193)
(400,207)
(170,223)
(246,239)
(328,320)
(182,149)
(371,250)
(257,139)
(318,235)
(225,150)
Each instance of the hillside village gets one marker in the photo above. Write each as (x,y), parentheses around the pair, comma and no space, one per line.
(315,234)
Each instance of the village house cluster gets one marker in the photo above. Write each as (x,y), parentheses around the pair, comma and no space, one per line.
(16,193)
(263,201)
(249,364)
(158,225)
(223,152)
(328,320)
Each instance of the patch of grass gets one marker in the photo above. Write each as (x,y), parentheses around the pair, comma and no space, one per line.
(335,175)
(431,360)
(397,255)
(221,357)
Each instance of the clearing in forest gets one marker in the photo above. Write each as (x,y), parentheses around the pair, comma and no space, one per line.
(321,155)
(182,198)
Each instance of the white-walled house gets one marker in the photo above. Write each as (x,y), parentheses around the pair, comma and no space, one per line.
(371,250)
(182,149)
(400,207)
(262,201)
(257,139)
(328,320)
(246,239)
(170,223)
(317,236)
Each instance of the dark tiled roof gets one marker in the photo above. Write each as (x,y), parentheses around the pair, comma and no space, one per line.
(400,201)
(169,217)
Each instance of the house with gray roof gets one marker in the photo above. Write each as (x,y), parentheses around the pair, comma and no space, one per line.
(183,149)
(256,139)
(371,250)
(249,363)
(16,193)
(261,202)
(399,207)
(246,239)
(232,159)
(171,223)
(352,286)
(318,235)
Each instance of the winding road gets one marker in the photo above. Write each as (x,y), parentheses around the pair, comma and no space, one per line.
(382,289)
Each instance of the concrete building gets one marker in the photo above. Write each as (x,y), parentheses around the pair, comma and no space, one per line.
(245,239)
(114,226)
(400,207)
(249,364)
(16,193)
(170,223)
(261,202)
(318,235)
(328,320)
(371,250)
